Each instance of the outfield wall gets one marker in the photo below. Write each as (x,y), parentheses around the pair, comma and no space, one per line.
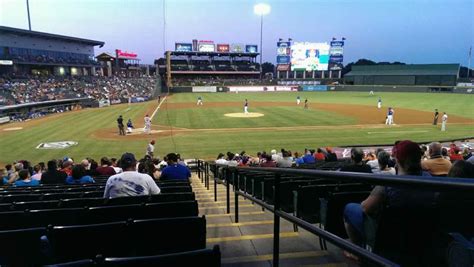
(402,88)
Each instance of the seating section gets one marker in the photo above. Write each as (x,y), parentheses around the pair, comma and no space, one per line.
(74,223)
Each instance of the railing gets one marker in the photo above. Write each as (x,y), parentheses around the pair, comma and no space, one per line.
(230,173)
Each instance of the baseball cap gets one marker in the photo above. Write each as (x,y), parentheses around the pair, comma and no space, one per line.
(405,149)
(128,158)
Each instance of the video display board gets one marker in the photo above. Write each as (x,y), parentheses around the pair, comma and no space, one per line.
(309,56)
(206,46)
(237,48)
(224,48)
(183,47)
(251,48)
(336,55)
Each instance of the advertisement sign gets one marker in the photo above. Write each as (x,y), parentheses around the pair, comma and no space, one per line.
(309,56)
(204,89)
(206,46)
(283,67)
(336,59)
(335,66)
(183,47)
(283,59)
(6,62)
(251,48)
(283,48)
(4,119)
(224,48)
(337,43)
(125,55)
(336,51)
(314,87)
(237,48)
(270,88)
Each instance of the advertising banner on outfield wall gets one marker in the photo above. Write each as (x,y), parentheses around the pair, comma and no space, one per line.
(314,87)
(270,88)
(204,89)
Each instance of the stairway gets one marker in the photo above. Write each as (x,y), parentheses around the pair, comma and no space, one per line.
(250,242)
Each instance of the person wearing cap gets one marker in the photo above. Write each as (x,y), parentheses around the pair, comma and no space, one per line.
(130,182)
(174,171)
(120,125)
(147,128)
(357,217)
(150,149)
(436,165)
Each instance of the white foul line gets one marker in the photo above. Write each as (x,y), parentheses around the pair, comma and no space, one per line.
(392,132)
(156,109)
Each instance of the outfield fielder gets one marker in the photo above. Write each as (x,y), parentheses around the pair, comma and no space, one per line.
(298,100)
(246,107)
(147,128)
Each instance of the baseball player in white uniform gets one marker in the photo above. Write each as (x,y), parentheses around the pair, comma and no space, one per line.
(379,103)
(246,107)
(147,128)
(199,101)
(298,100)
(444,120)
(389,119)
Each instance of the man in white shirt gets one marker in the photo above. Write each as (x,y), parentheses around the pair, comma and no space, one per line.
(130,182)
(444,120)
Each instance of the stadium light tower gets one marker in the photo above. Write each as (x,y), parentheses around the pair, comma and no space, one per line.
(261,10)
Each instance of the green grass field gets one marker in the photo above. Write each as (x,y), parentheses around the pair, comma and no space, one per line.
(221,134)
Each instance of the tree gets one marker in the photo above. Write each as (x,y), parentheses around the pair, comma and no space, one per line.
(268,67)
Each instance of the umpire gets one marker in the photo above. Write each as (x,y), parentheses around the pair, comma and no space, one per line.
(120,125)
(435,119)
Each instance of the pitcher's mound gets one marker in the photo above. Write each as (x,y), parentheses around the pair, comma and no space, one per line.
(244,115)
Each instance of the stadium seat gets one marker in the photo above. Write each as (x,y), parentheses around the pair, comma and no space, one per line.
(81,202)
(176,189)
(21,247)
(35,205)
(78,263)
(201,257)
(19,198)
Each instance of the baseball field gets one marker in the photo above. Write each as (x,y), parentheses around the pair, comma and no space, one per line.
(219,125)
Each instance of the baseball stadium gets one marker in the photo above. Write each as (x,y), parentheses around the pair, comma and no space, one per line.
(212,157)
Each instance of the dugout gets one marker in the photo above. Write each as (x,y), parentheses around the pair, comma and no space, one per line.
(412,74)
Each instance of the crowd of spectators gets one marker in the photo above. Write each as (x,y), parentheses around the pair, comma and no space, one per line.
(435,159)
(32,89)
(126,176)
(221,81)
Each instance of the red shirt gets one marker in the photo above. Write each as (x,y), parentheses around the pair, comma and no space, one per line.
(107,170)
(319,156)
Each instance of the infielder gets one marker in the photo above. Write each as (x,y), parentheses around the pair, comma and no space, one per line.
(147,128)
(435,119)
(444,120)
(298,100)
(306,103)
(389,119)
(246,107)
(379,103)
(199,101)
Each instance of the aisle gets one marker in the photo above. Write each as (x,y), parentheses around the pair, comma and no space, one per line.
(250,242)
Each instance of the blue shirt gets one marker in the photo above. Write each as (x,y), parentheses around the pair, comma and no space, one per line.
(84,180)
(308,158)
(175,172)
(30,183)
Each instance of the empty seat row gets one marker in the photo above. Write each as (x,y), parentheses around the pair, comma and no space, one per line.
(95,202)
(77,216)
(115,239)
(201,257)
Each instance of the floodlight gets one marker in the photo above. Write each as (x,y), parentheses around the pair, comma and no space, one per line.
(261,9)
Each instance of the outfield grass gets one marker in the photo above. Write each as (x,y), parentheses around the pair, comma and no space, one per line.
(82,126)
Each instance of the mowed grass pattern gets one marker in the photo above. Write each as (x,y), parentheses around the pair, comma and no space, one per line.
(81,126)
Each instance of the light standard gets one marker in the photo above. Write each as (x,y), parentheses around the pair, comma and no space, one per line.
(261,10)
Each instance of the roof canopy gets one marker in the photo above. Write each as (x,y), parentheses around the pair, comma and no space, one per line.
(4,29)
(411,69)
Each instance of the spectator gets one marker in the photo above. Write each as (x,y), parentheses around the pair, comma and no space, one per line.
(357,164)
(298,160)
(466,154)
(105,168)
(408,156)
(308,157)
(14,175)
(174,171)
(330,156)
(319,155)
(38,171)
(130,182)
(436,165)
(79,176)
(92,171)
(114,165)
(221,160)
(286,161)
(461,169)
(67,166)
(25,180)
(181,161)
(383,159)
(268,162)
(52,175)
(454,154)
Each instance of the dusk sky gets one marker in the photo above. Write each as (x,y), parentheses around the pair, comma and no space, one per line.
(411,31)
